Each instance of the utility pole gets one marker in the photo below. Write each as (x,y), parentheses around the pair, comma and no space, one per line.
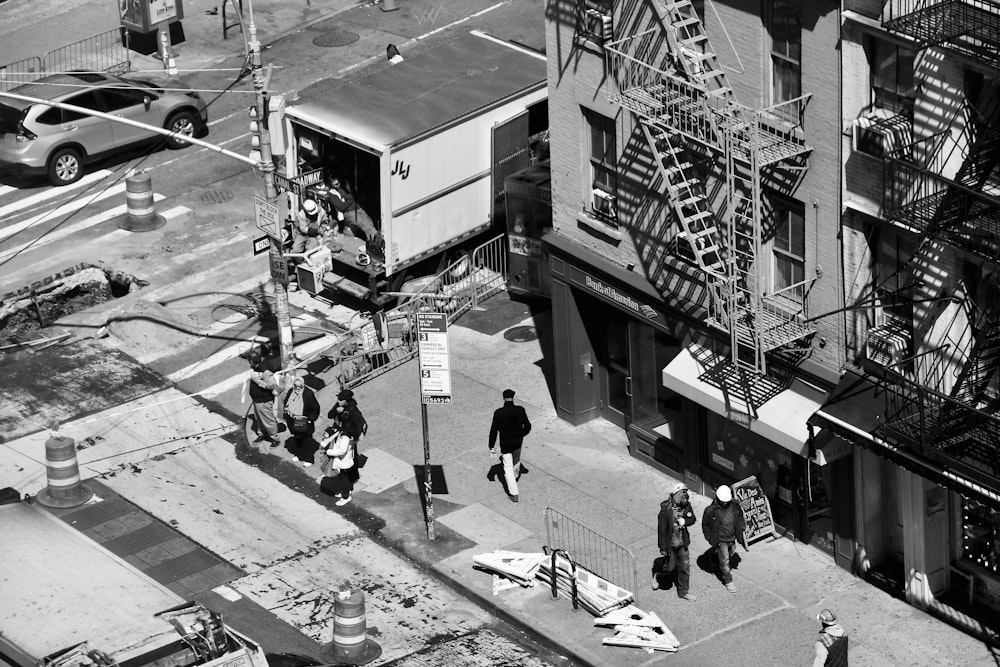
(276,255)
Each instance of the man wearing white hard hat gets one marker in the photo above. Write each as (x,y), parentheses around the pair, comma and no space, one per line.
(673,540)
(831,645)
(308,227)
(723,526)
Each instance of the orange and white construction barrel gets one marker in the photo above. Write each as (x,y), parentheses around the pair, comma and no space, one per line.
(351,645)
(64,487)
(140,209)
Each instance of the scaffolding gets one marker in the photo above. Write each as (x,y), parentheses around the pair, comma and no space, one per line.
(671,79)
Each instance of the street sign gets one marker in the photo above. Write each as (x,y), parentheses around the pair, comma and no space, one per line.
(261,245)
(432,350)
(298,184)
(279,270)
(266,214)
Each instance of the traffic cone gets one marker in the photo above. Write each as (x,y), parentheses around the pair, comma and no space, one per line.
(63,475)
(350,645)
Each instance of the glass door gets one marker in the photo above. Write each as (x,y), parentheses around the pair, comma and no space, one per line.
(618,383)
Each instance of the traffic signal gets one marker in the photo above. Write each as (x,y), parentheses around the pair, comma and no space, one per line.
(255,129)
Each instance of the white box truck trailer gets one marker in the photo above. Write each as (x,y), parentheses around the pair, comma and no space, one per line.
(424,146)
(66,601)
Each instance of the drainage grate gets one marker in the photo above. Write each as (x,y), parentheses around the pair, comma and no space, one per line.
(216,196)
(336,38)
(521,334)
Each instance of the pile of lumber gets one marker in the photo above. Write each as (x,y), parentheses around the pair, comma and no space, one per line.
(598,596)
(637,629)
(509,568)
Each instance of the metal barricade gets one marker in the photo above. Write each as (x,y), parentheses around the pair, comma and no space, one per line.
(597,553)
(104,52)
(21,71)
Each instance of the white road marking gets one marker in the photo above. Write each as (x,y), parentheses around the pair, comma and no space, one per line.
(58,212)
(50,193)
(86,223)
(216,359)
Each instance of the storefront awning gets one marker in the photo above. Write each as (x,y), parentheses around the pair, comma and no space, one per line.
(782,419)
(829,448)
(854,412)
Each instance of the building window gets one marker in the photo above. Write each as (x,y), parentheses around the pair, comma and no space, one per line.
(891,77)
(593,20)
(786,52)
(789,248)
(981,535)
(603,172)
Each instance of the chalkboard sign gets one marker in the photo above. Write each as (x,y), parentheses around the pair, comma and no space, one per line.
(756,509)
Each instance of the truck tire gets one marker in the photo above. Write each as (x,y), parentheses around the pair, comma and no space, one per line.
(460,265)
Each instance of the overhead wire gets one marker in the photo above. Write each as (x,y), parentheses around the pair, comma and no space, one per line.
(151,150)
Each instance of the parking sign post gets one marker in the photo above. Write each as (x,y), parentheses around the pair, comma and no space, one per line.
(435,387)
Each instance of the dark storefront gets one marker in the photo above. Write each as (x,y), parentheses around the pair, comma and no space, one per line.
(640,360)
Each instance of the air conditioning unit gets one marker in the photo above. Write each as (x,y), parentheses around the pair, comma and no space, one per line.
(888,345)
(605,204)
(880,132)
(598,24)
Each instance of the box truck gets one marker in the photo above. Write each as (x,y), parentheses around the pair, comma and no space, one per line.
(66,601)
(423,147)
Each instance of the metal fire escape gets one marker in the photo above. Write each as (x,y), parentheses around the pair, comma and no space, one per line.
(961,210)
(671,79)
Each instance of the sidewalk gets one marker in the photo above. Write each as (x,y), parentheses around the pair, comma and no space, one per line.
(587,474)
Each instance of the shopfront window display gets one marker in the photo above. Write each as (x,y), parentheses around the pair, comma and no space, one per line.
(981,535)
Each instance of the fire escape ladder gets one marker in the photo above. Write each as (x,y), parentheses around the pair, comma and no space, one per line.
(984,156)
(688,199)
(688,40)
(982,365)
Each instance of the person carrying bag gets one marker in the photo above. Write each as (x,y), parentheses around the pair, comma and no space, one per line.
(338,451)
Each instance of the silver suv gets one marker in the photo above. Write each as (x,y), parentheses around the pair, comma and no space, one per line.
(36,138)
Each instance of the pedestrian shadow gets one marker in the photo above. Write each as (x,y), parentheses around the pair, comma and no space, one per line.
(664,580)
(495,475)
(709,562)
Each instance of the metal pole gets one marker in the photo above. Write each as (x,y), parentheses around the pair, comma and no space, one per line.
(260,83)
(428,484)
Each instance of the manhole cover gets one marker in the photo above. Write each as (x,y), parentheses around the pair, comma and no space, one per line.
(336,38)
(521,334)
(216,196)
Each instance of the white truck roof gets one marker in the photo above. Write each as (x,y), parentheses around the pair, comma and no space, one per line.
(59,588)
(426,91)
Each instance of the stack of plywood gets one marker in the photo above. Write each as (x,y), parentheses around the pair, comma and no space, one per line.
(637,629)
(509,568)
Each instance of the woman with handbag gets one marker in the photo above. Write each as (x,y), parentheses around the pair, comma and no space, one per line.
(301,413)
(338,452)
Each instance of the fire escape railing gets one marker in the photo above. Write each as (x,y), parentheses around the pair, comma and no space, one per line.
(938,427)
(917,195)
(969,27)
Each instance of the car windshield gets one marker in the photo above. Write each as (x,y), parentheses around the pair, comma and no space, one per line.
(10,117)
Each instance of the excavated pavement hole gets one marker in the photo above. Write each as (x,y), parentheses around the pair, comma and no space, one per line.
(28,309)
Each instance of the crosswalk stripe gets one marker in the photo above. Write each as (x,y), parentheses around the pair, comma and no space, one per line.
(60,211)
(217,359)
(301,351)
(50,193)
(80,225)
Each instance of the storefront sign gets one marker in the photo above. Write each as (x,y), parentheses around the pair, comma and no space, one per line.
(756,508)
(615,296)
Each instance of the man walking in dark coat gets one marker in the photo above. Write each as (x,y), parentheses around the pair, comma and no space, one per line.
(723,526)
(673,539)
(511,423)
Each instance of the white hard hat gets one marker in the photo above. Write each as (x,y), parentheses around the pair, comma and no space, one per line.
(724,494)
(309,206)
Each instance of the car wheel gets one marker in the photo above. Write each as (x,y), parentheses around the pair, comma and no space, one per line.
(65,166)
(183,123)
